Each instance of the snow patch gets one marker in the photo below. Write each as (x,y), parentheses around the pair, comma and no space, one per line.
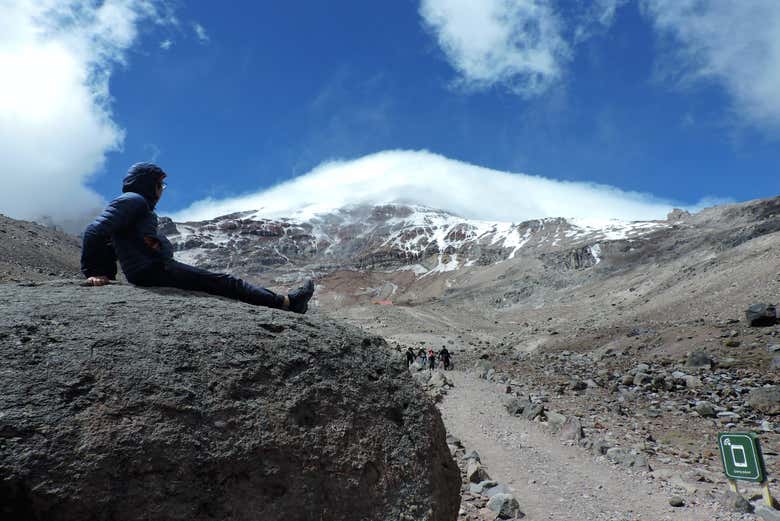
(595,251)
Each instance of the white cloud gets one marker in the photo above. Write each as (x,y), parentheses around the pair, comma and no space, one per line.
(736,44)
(598,15)
(166,44)
(524,45)
(56,124)
(428,179)
(200,32)
(513,42)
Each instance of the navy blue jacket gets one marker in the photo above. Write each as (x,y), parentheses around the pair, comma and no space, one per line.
(119,231)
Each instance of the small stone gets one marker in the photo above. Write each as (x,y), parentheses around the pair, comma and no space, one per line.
(472,454)
(475,488)
(505,505)
(642,378)
(705,409)
(516,406)
(736,503)
(638,461)
(479,488)
(555,419)
(494,489)
(699,359)
(761,315)
(475,473)
(571,430)
(616,454)
(676,501)
(765,400)
(601,447)
(532,411)
(452,440)
(692,382)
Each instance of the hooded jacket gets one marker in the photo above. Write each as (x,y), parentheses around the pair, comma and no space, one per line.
(119,231)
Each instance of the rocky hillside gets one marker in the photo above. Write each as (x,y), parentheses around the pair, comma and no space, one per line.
(412,255)
(388,237)
(118,403)
(29,251)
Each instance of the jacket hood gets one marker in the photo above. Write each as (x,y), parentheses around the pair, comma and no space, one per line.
(142,178)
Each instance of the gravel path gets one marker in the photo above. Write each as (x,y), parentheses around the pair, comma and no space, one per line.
(549,479)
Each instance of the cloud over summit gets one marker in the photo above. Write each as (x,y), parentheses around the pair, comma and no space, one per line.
(424,178)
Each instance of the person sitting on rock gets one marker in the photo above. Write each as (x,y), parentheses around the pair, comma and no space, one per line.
(127,230)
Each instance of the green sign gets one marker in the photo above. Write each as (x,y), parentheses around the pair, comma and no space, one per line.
(741,456)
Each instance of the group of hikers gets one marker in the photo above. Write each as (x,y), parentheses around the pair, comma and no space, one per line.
(431,359)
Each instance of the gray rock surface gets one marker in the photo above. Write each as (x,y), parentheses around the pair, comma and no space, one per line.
(765,399)
(128,404)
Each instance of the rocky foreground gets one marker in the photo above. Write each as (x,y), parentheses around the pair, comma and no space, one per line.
(127,404)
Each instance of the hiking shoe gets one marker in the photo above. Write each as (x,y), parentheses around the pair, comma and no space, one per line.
(299,298)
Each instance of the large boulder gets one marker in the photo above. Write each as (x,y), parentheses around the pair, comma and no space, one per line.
(129,404)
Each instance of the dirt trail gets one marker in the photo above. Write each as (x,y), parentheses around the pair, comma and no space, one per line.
(550,480)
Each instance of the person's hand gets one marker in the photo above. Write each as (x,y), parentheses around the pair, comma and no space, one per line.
(153,243)
(100,280)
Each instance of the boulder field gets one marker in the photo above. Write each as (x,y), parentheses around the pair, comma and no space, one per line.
(127,404)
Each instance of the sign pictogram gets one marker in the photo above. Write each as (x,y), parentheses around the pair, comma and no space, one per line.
(741,456)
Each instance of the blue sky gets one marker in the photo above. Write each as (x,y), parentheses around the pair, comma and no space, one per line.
(633,96)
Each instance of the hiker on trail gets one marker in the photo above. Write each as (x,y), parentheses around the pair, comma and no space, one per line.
(431,359)
(422,358)
(444,356)
(127,230)
(409,356)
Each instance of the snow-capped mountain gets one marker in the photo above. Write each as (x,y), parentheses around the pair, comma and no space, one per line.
(390,238)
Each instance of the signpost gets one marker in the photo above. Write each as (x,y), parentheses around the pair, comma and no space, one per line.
(742,460)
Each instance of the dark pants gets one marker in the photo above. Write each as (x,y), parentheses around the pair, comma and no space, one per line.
(174,274)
